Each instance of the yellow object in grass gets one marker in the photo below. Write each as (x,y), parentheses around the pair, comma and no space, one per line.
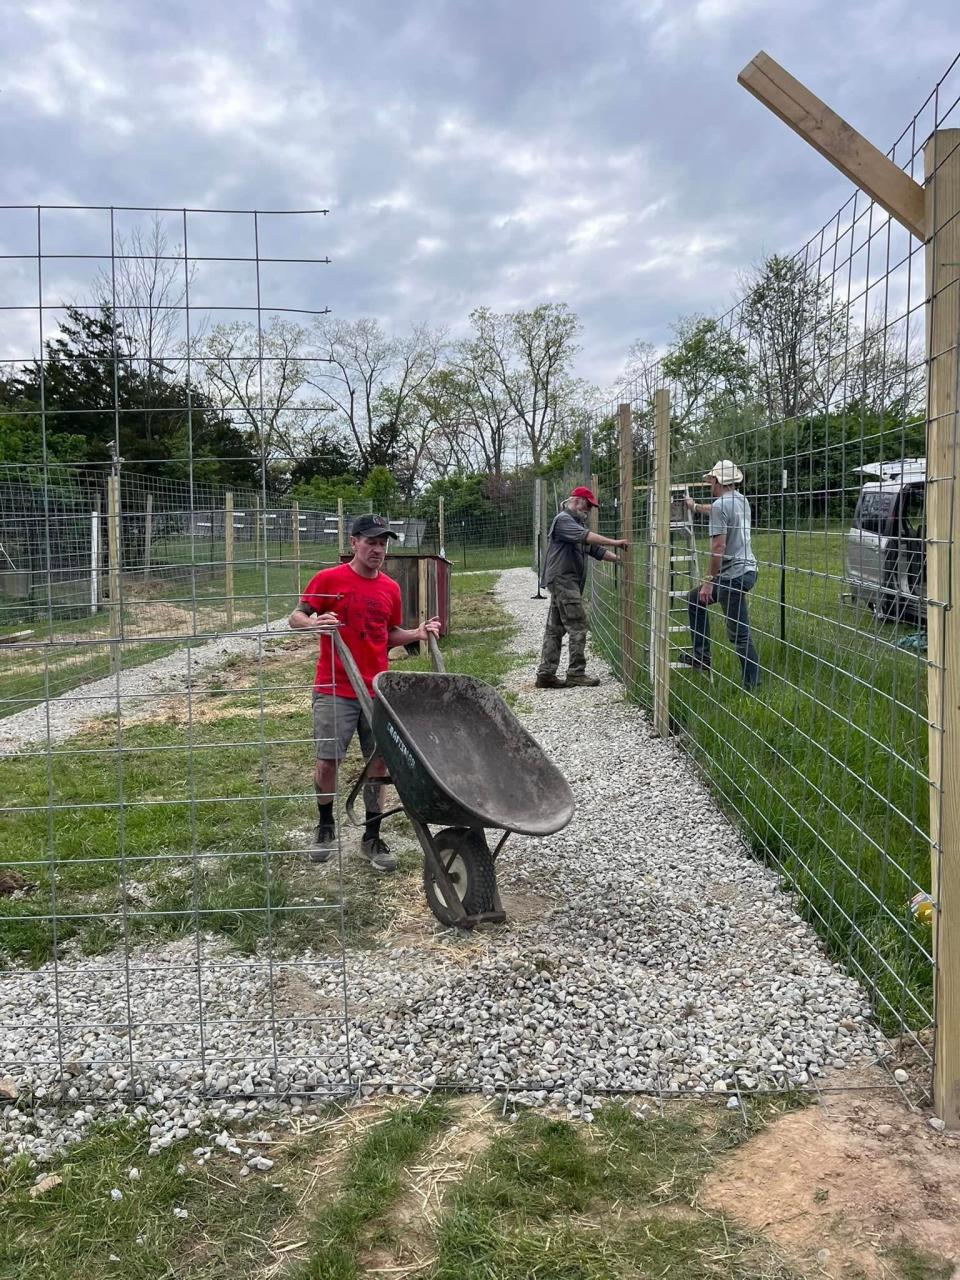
(922,905)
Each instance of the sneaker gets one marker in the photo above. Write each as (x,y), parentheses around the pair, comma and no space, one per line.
(324,842)
(377,852)
(694,663)
(580,680)
(549,682)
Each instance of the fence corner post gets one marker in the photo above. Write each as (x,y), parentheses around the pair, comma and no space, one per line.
(942,199)
(628,603)
(659,604)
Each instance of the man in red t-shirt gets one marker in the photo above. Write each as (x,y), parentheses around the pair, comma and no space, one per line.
(360,601)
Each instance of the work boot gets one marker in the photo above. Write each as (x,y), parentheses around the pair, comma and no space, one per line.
(694,663)
(377,853)
(580,680)
(324,842)
(549,682)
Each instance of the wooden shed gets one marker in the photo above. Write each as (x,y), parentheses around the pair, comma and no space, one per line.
(408,571)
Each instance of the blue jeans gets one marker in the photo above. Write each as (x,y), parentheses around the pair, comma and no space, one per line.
(731,595)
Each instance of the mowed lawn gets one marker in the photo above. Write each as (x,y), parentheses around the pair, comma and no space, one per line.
(181,598)
(195,812)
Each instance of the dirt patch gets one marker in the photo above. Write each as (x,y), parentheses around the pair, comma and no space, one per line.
(836,1186)
(320,1182)
(296,997)
(412,1220)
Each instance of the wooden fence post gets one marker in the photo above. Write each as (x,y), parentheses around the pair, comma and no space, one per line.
(942,173)
(341,528)
(441,529)
(228,555)
(148,536)
(628,604)
(659,603)
(422,601)
(95,558)
(113,559)
(295,529)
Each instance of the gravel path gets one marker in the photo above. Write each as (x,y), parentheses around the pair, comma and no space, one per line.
(63,715)
(647,951)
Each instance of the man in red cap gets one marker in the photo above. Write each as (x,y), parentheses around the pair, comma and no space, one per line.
(565,575)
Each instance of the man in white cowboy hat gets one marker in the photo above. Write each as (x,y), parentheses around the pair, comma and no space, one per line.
(731,574)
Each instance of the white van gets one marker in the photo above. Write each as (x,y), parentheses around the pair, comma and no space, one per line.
(885,563)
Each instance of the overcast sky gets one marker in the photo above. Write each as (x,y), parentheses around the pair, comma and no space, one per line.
(470,151)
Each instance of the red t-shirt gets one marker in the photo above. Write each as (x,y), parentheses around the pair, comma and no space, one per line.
(369,609)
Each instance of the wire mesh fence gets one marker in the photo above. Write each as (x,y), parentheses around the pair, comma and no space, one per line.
(815,387)
(68,590)
(161,925)
(178,812)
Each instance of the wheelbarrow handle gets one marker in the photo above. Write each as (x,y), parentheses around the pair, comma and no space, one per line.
(436,657)
(354,676)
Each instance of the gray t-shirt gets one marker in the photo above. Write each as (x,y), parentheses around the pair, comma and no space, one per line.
(730,515)
(567,550)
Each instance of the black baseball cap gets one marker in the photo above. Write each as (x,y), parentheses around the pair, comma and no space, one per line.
(370,526)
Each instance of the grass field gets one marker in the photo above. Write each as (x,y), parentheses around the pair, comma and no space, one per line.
(70,647)
(196,813)
(441,1190)
(824,768)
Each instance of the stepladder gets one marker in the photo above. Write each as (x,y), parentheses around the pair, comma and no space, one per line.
(684,572)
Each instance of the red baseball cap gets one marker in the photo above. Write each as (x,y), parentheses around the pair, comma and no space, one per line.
(581,491)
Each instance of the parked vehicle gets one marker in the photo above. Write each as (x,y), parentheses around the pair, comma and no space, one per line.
(885,562)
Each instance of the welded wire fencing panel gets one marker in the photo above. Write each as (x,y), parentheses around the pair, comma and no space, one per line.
(798,679)
(159,797)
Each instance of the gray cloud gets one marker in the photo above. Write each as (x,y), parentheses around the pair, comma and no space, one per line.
(470,152)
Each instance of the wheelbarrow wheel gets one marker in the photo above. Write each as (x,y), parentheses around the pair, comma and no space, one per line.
(470,866)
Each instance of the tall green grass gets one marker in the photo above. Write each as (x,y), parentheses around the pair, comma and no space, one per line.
(825,767)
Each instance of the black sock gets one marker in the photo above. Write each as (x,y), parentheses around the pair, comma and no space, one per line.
(371,829)
(325,811)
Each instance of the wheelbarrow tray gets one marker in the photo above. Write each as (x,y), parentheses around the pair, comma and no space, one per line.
(457,755)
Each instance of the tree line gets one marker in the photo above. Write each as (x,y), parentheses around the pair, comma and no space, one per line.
(337,407)
(324,407)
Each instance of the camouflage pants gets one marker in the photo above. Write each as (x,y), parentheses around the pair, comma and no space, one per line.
(568,617)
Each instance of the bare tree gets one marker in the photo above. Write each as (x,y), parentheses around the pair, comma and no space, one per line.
(371,381)
(146,289)
(258,376)
(527,356)
(798,334)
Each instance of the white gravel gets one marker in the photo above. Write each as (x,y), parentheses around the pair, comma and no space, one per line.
(650,953)
(60,717)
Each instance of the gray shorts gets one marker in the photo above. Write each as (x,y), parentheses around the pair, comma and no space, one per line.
(335,721)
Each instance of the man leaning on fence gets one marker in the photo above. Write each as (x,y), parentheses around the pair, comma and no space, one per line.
(731,574)
(564,576)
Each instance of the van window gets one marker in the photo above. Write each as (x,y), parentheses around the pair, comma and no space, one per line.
(912,513)
(873,511)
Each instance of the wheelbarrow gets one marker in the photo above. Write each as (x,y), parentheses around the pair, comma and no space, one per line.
(461,761)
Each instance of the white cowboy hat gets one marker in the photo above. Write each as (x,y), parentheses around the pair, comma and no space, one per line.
(725,472)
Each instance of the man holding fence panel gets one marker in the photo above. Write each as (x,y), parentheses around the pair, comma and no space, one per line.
(731,574)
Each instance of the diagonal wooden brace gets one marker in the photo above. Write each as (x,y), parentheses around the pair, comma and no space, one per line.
(855,157)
